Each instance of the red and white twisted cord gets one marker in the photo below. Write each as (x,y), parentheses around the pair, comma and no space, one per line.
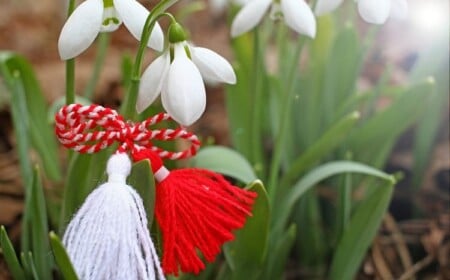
(89,129)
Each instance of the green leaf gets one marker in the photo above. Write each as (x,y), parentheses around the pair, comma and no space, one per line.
(210,272)
(239,96)
(79,166)
(315,176)
(322,43)
(432,62)
(380,131)
(85,172)
(322,147)
(342,68)
(360,233)
(141,178)
(277,257)
(36,218)
(226,161)
(246,253)
(20,118)
(29,266)
(311,244)
(40,132)
(344,206)
(10,256)
(61,258)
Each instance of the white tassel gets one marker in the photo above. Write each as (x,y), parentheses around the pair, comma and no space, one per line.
(108,237)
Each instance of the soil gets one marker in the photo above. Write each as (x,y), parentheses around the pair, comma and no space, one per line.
(405,247)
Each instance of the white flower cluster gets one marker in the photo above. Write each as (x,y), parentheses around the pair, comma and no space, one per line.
(297,14)
(94,16)
(179,72)
(372,11)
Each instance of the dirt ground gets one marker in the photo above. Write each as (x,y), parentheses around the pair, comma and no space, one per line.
(31,28)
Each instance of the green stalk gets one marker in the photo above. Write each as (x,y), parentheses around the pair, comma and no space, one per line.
(103,42)
(345,204)
(282,46)
(70,81)
(70,66)
(127,109)
(256,94)
(284,121)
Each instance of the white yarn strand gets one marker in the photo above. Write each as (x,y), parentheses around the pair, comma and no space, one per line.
(108,238)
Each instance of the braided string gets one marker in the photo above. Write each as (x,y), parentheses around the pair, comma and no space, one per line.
(89,129)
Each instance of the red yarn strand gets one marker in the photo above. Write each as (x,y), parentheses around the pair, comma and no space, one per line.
(198,209)
(89,129)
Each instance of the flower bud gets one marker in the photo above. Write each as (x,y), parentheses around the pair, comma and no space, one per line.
(176,33)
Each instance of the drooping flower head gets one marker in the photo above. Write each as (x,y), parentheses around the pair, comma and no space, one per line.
(178,75)
(94,16)
(296,13)
(372,11)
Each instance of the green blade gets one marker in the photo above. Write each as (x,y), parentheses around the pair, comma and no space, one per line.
(226,161)
(10,256)
(247,252)
(40,131)
(37,223)
(62,259)
(360,233)
(322,147)
(315,176)
(277,257)
(141,178)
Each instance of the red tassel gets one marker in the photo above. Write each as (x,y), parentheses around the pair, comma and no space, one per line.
(196,209)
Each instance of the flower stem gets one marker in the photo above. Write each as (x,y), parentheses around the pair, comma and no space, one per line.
(286,107)
(256,93)
(127,109)
(70,66)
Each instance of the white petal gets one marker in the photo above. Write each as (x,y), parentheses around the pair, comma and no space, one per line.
(326,6)
(134,16)
(298,16)
(399,9)
(156,41)
(184,96)
(374,11)
(212,66)
(80,29)
(111,20)
(152,81)
(249,16)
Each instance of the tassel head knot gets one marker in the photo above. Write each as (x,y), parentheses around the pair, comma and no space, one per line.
(118,168)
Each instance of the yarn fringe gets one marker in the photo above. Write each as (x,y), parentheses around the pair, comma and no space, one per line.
(198,209)
(108,237)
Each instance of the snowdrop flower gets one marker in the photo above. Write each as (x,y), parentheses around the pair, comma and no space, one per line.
(178,75)
(94,16)
(372,11)
(296,13)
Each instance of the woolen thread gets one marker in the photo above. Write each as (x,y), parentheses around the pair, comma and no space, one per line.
(108,238)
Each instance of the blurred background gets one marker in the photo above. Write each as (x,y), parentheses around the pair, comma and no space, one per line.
(31,28)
